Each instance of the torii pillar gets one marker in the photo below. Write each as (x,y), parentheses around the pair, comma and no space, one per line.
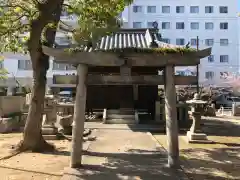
(171,117)
(79,116)
(83,60)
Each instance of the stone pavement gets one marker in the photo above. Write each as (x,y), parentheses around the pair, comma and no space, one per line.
(217,161)
(133,127)
(123,155)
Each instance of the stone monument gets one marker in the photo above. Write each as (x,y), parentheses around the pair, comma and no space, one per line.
(195,135)
(65,117)
(10,91)
(49,129)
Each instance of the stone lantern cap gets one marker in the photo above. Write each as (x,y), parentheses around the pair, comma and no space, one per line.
(196,100)
(49,91)
(49,96)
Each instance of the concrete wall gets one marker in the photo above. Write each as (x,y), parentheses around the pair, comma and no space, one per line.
(11,104)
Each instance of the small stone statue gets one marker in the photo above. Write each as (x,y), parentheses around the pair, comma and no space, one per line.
(50,117)
(49,91)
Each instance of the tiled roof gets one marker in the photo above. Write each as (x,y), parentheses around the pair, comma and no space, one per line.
(129,38)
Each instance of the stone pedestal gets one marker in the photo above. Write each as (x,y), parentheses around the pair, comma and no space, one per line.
(195,135)
(10,91)
(49,129)
(198,138)
(65,123)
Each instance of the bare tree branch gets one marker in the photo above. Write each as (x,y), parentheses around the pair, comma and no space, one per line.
(14,29)
(68,6)
(65,27)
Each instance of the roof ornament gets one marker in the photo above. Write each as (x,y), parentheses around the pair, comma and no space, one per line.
(155,25)
(154,43)
(187,45)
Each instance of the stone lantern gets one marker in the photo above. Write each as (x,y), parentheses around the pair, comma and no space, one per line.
(49,91)
(195,134)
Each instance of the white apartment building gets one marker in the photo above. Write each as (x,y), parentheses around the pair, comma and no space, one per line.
(19,65)
(215,22)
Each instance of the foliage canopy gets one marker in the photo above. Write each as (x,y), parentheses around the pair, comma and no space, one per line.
(94,18)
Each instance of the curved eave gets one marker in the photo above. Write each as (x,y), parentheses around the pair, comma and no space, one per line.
(134,59)
(88,58)
(203,53)
(176,59)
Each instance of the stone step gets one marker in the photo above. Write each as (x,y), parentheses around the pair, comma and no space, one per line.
(50,137)
(123,112)
(120,116)
(120,121)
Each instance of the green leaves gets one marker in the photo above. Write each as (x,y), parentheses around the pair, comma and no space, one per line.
(161,50)
(15,15)
(96,18)
(3,72)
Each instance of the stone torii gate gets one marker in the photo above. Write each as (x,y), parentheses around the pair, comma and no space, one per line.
(125,58)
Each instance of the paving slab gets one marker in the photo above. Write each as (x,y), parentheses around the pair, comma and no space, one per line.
(124,155)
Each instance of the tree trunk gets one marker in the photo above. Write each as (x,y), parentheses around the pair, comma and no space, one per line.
(32,136)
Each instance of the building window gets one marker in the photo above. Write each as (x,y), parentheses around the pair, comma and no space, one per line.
(193,42)
(209,42)
(125,25)
(223,42)
(224,58)
(62,67)
(194,25)
(166,9)
(179,9)
(64,13)
(194,9)
(224,25)
(1,65)
(137,25)
(209,25)
(211,58)
(180,41)
(223,9)
(59,66)
(151,9)
(63,40)
(209,9)
(137,9)
(24,65)
(209,75)
(180,25)
(166,40)
(165,25)
(150,24)
(224,75)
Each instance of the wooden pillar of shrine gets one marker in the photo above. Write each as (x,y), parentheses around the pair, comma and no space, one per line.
(171,117)
(79,117)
